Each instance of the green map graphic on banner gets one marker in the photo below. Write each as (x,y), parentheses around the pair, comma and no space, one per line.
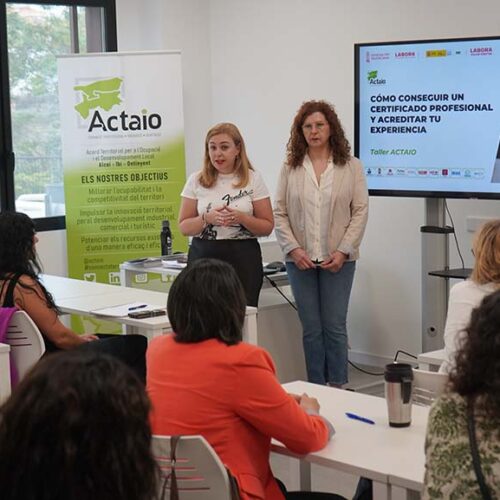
(103,93)
(124,162)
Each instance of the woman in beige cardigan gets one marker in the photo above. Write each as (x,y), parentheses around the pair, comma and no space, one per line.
(321,209)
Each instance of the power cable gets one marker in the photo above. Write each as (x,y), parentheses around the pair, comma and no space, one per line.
(454,233)
(404,352)
(375,374)
(378,374)
(277,288)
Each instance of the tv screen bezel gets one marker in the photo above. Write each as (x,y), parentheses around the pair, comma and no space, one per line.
(410,193)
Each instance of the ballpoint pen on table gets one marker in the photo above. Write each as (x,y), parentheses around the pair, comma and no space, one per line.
(353,416)
(137,307)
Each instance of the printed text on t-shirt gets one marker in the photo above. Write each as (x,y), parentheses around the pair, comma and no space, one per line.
(243,192)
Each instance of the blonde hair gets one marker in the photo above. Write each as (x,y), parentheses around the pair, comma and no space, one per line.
(487,253)
(242,164)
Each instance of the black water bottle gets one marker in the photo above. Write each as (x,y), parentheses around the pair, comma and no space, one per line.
(166,238)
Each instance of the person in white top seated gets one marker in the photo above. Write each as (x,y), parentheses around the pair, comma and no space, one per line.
(467,295)
(225,207)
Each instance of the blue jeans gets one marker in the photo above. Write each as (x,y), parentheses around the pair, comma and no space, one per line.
(322,299)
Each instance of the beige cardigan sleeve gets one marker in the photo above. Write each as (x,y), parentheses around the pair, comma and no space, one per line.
(359,213)
(282,227)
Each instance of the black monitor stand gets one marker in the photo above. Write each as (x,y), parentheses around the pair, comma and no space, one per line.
(435,255)
(460,273)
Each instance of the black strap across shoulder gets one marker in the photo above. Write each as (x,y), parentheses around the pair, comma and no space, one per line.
(476,460)
(8,300)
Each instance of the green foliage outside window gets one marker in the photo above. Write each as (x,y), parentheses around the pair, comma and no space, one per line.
(34,39)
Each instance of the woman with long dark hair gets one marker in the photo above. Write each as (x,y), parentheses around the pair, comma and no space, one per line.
(76,428)
(21,287)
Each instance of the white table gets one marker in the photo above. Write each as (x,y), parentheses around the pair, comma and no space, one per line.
(4,372)
(393,458)
(150,327)
(129,271)
(85,297)
(63,288)
(431,358)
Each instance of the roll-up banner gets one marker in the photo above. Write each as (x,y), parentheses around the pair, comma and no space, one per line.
(123,155)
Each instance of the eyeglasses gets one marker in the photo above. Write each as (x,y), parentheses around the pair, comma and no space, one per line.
(309,126)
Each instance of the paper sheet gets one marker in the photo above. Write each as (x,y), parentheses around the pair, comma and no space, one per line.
(173,264)
(122,310)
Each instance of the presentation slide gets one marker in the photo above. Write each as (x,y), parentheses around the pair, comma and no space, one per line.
(429,116)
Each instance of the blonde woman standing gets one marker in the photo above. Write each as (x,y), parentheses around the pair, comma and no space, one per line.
(225,207)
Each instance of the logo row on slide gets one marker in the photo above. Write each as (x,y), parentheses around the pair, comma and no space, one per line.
(452,173)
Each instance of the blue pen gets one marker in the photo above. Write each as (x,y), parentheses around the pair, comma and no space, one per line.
(361,419)
(137,307)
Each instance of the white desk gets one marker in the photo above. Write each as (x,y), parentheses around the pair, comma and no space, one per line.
(392,457)
(84,297)
(128,272)
(431,358)
(63,288)
(4,372)
(150,327)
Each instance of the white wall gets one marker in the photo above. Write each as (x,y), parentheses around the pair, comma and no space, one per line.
(170,25)
(270,55)
(254,61)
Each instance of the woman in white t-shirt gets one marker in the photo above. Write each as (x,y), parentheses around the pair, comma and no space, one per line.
(468,294)
(226,206)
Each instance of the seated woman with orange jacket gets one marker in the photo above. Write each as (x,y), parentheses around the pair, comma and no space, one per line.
(203,380)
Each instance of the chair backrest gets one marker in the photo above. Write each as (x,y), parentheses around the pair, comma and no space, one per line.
(427,386)
(26,342)
(200,473)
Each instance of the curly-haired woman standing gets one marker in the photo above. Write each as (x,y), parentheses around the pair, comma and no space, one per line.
(321,209)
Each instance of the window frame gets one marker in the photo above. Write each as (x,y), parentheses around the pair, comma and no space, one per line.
(7,160)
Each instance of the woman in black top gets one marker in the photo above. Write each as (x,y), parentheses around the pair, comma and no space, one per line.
(21,287)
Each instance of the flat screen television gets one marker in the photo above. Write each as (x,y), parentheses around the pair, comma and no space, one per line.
(427,117)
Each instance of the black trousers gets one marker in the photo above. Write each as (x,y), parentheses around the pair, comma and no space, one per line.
(307,495)
(130,349)
(244,255)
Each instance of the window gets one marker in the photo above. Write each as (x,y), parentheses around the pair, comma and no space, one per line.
(32,34)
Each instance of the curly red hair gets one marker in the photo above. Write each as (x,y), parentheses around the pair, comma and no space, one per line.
(297,145)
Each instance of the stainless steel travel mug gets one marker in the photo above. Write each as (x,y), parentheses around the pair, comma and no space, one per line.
(398,390)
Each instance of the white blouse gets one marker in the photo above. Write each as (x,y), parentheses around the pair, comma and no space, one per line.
(464,297)
(318,199)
